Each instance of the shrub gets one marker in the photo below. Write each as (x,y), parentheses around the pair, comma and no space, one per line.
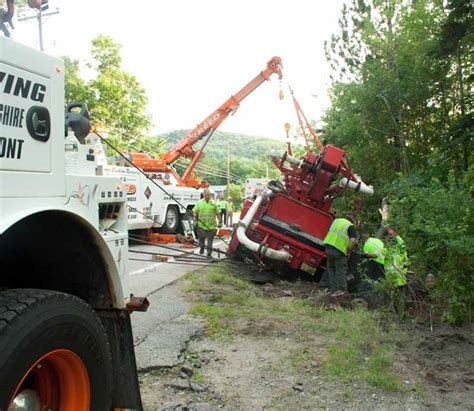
(436,221)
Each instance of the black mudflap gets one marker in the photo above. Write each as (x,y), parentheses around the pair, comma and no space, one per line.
(126,390)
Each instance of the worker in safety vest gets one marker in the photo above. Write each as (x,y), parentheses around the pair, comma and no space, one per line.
(339,241)
(230,211)
(206,212)
(374,251)
(396,259)
(222,209)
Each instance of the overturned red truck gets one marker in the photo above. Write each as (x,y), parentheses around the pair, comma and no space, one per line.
(286,224)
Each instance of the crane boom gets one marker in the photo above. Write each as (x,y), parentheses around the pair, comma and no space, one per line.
(184,147)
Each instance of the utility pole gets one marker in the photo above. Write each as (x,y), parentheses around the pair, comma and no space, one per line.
(39,16)
(228,169)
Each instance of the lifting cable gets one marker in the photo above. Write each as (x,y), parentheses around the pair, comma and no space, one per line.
(188,253)
(188,212)
(171,262)
(197,264)
(139,238)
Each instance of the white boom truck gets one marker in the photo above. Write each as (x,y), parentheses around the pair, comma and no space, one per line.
(65,336)
(156,202)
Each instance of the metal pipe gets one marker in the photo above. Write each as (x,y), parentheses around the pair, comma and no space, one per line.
(357,185)
(261,249)
(285,157)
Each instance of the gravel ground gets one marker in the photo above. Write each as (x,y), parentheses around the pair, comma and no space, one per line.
(251,371)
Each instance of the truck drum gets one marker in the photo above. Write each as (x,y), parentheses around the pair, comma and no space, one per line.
(54,352)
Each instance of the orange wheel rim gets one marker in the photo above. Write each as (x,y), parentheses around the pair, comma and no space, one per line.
(61,381)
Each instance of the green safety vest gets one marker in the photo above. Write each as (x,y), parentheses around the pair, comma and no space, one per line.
(375,246)
(396,260)
(338,236)
(222,204)
(206,213)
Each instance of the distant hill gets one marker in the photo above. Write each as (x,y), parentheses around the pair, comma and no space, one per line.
(248,154)
(241,145)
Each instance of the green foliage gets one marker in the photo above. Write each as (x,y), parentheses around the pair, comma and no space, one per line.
(248,157)
(437,221)
(115,98)
(402,110)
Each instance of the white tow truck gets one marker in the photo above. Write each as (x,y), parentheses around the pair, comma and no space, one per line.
(155,201)
(65,336)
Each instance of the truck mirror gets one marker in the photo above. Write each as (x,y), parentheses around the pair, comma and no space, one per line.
(78,121)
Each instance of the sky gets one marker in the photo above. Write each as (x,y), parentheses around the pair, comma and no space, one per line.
(191,55)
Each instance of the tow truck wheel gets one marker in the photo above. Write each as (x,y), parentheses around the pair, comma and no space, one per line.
(171,220)
(54,353)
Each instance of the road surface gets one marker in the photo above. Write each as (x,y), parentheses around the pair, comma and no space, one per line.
(161,333)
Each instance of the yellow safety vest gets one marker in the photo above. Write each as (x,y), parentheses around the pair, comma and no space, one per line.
(375,246)
(396,261)
(338,235)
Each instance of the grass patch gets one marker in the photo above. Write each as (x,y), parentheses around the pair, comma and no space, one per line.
(347,345)
(220,276)
(303,357)
(349,362)
(379,369)
(217,327)
(199,378)
(342,362)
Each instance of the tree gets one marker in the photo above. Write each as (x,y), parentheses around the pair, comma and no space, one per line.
(401,110)
(75,88)
(456,41)
(115,98)
(397,100)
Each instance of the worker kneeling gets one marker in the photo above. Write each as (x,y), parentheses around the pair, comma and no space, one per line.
(374,251)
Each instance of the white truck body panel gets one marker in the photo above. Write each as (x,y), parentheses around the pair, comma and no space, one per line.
(147,203)
(22,88)
(33,177)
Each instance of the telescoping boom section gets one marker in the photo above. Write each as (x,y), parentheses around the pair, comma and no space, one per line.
(184,147)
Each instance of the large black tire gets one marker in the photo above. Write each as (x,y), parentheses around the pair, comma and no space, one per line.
(171,223)
(34,323)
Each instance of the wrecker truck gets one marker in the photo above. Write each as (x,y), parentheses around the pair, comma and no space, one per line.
(65,335)
(162,198)
(284,225)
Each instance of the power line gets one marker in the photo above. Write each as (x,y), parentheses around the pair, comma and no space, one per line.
(213,171)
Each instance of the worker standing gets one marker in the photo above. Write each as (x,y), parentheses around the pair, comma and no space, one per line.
(396,259)
(339,241)
(222,209)
(206,212)
(374,251)
(230,211)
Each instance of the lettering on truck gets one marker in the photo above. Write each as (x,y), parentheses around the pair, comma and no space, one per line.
(13,116)
(10,147)
(20,87)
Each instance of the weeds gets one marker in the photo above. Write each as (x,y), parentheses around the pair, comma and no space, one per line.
(348,345)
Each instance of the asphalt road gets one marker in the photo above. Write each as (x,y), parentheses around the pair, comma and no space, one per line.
(162,333)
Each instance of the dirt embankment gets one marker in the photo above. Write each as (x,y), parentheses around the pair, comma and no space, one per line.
(270,348)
